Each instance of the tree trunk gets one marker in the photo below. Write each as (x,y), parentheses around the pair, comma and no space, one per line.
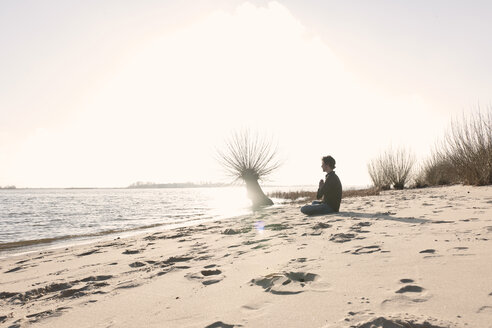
(257,196)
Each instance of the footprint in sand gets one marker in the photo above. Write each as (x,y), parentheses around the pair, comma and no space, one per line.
(299,263)
(430,251)
(342,237)
(277,227)
(460,250)
(131,252)
(407,295)
(89,252)
(23,261)
(137,264)
(252,242)
(203,258)
(367,250)
(321,225)
(485,309)
(7,295)
(175,259)
(441,221)
(211,281)
(40,315)
(285,283)
(97,278)
(127,285)
(358,227)
(236,231)
(383,322)
(59,290)
(207,277)
(74,292)
(220,324)
(410,289)
(14,269)
(169,264)
(255,308)
(207,273)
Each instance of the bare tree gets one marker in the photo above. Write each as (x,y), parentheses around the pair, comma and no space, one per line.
(250,157)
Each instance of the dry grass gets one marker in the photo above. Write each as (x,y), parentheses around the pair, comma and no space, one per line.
(302,196)
(360,192)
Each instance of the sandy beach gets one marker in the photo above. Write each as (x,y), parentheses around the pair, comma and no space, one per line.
(411,258)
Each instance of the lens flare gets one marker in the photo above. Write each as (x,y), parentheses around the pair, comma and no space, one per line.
(260,226)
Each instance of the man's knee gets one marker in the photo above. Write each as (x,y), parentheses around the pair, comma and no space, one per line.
(306,209)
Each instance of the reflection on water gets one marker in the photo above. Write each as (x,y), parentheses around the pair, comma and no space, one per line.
(31,215)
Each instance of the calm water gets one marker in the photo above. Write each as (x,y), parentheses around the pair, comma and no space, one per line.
(38,216)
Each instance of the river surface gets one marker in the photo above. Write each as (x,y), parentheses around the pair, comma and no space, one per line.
(34,217)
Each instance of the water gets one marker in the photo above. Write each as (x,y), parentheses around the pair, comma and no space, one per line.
(30,217)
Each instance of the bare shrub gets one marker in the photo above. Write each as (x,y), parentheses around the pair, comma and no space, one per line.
(438,170)
(419,177)
(465,154)
(468,148)
(378,174)
(250,157)
(391,168)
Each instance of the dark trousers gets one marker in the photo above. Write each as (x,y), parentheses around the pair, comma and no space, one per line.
(317,207)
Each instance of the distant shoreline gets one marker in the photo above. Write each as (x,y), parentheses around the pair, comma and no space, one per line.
(142,185)
(171,186)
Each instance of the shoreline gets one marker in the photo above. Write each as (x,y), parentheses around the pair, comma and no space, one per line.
(39,245)
(404,256)
(164,220)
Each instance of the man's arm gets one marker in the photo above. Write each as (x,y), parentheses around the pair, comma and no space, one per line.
(328,187)
(319,194)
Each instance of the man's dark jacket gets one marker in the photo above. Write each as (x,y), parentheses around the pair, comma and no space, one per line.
(331,191)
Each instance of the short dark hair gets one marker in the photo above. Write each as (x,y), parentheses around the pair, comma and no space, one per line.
(330,161)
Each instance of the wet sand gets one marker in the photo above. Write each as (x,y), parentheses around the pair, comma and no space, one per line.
(401,258)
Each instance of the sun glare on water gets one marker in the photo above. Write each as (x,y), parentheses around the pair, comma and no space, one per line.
(228,202)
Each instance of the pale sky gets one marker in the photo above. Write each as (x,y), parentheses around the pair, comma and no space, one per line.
(107,93)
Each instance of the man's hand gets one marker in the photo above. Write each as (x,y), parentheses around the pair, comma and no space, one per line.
(321,183)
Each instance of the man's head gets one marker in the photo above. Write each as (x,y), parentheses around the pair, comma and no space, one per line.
(328,163)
